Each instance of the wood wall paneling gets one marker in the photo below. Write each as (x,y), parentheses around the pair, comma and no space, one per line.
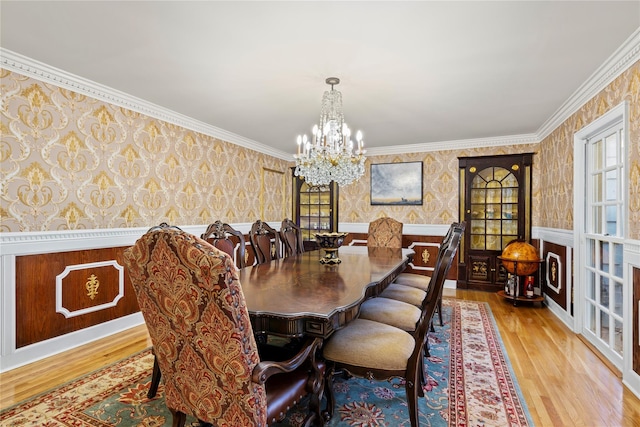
(636,321)
(36,316)
(426,248)
(554,270)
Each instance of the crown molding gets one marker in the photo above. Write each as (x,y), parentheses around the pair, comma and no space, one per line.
(29,67)
(461,144)
(625,56)
(617,63)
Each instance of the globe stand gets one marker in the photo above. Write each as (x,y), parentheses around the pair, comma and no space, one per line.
(526,269)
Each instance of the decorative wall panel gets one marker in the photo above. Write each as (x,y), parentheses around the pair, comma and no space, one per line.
(425,247)
(635,322)
(86,284)
(272,196)
(74,300)
(553,272)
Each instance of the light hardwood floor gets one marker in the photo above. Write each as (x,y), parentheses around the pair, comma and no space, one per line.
(563,381)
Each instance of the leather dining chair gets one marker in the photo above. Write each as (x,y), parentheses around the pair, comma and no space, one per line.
(385,232)
(374,350)
(219,235)
(265,242)
(291,237)
(194,307)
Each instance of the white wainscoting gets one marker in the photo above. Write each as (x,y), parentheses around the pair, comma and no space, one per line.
(33,243)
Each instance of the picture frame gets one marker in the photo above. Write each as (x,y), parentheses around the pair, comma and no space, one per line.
(396,183)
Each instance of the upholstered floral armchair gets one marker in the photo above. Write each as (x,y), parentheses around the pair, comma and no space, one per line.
(195,311)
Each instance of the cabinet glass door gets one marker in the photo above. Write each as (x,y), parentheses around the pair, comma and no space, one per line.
(314,208)
(494,209)
(495,203)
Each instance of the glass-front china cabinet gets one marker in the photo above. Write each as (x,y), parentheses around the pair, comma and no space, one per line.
(315,209)
(495,203)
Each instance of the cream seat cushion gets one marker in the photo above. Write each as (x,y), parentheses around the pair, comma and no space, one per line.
(391,312)
(370,344)
(404,293)
(415,280)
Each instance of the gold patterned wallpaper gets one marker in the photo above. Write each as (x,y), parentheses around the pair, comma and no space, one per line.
(72,162)
(556,150)
(439,187)
(552,189)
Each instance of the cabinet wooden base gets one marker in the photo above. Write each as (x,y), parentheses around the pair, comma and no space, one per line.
(535,298)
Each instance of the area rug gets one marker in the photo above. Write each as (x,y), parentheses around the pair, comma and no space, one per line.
(470,383)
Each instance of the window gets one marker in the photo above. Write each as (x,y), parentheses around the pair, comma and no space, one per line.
(603,229)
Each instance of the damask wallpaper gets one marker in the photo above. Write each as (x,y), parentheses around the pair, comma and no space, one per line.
(439,187)
(556,150)
(72,162)
(552,191)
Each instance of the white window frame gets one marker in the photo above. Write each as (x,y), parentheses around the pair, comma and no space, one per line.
(619,113)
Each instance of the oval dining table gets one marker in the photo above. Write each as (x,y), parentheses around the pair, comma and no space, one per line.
(298,296)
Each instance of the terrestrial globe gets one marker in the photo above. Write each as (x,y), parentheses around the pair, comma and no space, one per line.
(520,258)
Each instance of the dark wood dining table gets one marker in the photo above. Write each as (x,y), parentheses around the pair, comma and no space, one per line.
(298,296)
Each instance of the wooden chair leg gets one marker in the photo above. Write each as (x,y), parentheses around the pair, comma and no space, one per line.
(155,379)
(328,391)
(412,400)
(316,414)
(179,418)
(440,311)
(423,374)
(426,348)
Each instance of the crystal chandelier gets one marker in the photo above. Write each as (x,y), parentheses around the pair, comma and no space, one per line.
(330,154)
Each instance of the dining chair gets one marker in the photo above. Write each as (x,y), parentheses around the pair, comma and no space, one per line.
(421,281)
(291,237)
(405,315)
(194,308)
(374,350)
(220,234)
(265,242)
(414,292)
(385,232)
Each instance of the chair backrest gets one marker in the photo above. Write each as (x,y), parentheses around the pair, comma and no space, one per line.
(219,235)
(446,254)
(385,232)
(265,242)
(446,241)
(291,237)
(437,284)
(457,229)
(192,302)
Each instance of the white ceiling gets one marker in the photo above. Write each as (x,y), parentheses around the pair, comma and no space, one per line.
(411,72)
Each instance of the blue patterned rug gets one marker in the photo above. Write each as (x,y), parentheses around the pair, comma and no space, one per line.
(481,386)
